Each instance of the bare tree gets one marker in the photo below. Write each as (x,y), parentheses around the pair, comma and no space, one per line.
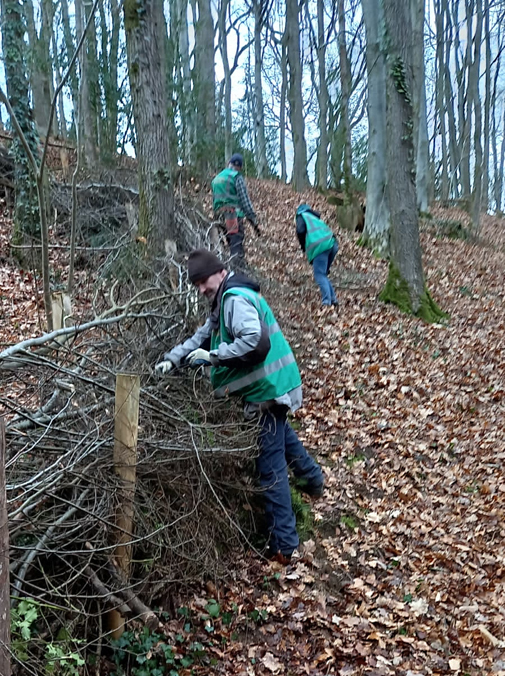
(146,69)
(377,221)
(345,93)
(405,285)
(204,88)
(260,9)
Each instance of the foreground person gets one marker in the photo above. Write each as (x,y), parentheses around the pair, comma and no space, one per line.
(250,357)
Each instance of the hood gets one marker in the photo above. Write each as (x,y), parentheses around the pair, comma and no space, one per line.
(306,208)
(232,280)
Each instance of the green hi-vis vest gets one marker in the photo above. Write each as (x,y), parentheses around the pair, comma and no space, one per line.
(319,236)
(273,377)
(224,192)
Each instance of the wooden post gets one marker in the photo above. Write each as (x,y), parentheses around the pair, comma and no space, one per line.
(126,417)
(5,597)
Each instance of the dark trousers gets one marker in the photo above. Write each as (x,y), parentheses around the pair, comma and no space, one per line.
(281,449)
(234,229)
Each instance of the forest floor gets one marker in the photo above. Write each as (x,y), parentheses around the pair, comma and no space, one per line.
(404,572)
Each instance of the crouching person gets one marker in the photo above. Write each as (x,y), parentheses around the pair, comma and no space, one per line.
(250,357)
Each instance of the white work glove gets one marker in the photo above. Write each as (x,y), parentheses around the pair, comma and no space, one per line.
(198,357)
(163,368)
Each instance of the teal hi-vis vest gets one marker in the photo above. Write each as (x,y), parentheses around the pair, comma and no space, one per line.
(273,377)
(224,191)
(319,236)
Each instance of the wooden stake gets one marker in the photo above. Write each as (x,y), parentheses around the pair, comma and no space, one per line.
(126,417)
(5,597)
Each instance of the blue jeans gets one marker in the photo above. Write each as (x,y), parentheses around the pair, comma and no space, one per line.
(321,267)
(280,448)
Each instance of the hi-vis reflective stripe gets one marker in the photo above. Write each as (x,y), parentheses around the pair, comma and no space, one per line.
(329,235)
(255,375)
(273,328)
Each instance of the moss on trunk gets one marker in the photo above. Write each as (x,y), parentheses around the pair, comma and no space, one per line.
(396,291)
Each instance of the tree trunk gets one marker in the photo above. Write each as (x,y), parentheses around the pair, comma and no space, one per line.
(109,76)
(69,51)
(322,148)
(300,177)
(204,89)
(440,109)
(147,85)
(282,110)
(465,98)
(474,95)
(420,121)
(377,219)
(87,114)
(345,93)
(487,110)
(454,149)
(223,48)
(259,117)
(40,65)
(26,214)
(179,20)
(405,285)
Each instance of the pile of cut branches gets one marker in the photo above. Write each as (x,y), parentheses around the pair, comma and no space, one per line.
(63,492)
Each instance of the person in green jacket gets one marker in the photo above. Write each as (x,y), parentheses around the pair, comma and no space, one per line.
(320,246)
(250,357)
(231,204)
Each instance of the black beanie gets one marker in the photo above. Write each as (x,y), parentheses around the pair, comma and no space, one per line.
(203,264)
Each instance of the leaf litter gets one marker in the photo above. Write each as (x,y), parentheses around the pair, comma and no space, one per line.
(405,571)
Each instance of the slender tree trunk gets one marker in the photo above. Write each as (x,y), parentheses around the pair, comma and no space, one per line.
(223,48)
(179,17)
(440,109)
(204,88)
(259,117)
(109,77)
(487,110)
(300,177)
(69,51)
(282,110)
(345,93)
(377,220)
(499,178)
(465,101)
(497,183)
(87,113)
(474,95)
(322,148)
(419,101)
(146,70)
